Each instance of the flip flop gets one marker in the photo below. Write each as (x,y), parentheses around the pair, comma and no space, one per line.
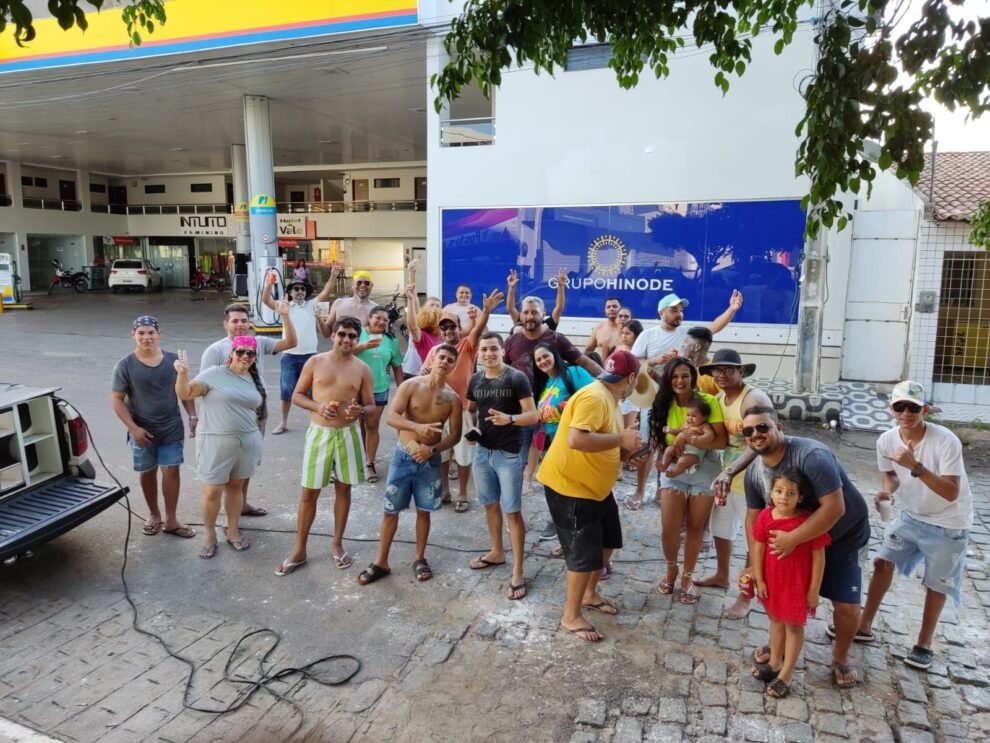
(764,672)
(605,606)
(372,573)
(481,563)
(778,689)
(846,668)
(208,552)
(278,430)
(515,589)
(764,651)
(181,531)
(461,506)
(422,571)
(373,477)
(343,562)
(255,511)
(577,632)
(151,530)
(633,504)
(288,567)
(240,545)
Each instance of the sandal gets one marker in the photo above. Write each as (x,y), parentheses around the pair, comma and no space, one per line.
(581,632)
(208,552)
(605,606)
(764,672)
(690,594)
(514,591)
(151,529)
(372,573)
(373,477)
(461,506)
(667,587)
(240,545)
(342,562)
(422,571)
(633,504)
(254,511)
(287,567)
(181,531)
(845,669)
(778,689)
(761,652)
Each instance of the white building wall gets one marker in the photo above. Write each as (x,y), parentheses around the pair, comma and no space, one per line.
(177,189)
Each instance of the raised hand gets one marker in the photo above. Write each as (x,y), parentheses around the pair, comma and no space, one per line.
(282,308)
(493,300)
(411,291)
(561,275)
(904,456)
(736,300)
(181,364)
(512,279)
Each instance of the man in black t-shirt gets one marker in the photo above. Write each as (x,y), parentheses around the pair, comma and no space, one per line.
(500,403)
(837,508)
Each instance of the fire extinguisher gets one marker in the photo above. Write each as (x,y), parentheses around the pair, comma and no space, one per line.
(317,194)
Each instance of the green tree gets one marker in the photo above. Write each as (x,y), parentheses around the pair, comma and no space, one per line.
(140,16)
(857,92)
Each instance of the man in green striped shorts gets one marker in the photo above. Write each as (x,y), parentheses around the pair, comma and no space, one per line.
(342,394)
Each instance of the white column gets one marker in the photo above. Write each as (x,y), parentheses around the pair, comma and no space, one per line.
(83,195)
(808,350)
(14,185)
(238,171)
(261,187)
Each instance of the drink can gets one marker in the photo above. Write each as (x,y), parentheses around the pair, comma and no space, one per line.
(747,588)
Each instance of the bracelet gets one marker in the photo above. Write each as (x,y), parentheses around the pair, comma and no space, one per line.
(193,418)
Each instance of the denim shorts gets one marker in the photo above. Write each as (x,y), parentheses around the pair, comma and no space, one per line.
(381,399)
(498,478)
(694,483)
(292,364)
(907,541)
(411,480)
(156,455)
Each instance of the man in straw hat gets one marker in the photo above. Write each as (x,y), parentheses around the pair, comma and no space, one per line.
(358,305)
(657,346)
(735,396)
(304,311)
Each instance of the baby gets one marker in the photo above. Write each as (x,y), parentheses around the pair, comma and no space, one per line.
(683,455)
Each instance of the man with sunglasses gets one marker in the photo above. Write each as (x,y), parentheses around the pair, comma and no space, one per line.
(342,395)
(836,507)
(358,305)
(735,396)
(305,317)
(921,463)
(237,322)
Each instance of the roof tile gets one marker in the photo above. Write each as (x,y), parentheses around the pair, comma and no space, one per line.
(962,181)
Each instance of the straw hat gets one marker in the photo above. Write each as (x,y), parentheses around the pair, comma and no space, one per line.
(646,389)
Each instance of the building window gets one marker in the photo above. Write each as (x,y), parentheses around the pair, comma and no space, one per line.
(27,180)
(97,188)
(155,188)
(201,187)
(386,182)
(588,57)
(41,182)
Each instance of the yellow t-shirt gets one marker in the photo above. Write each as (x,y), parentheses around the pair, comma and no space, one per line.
(582,474)
(678,414)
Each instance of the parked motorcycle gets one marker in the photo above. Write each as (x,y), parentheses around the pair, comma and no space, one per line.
(78,281)
(396,317)
(201,281)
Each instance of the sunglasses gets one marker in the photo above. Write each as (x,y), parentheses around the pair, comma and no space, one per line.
(239,352)
(901,405)
(363,283)
(352,336)
(758,428)
(448,326)
(723,369)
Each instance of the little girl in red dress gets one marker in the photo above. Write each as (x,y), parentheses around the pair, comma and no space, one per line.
(787,587)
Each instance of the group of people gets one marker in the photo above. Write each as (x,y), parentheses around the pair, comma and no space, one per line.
(540,409)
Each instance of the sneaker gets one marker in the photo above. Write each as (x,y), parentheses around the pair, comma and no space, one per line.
(549,532)
(858,637)
(920,657)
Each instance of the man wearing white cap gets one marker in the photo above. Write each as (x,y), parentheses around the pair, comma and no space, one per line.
(923,474)
(660,344)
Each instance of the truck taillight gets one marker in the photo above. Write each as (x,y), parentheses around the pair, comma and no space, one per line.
(142,271)
(78,438)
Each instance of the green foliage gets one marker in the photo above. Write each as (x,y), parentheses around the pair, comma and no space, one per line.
(139,16)
(856,93)
(980,236)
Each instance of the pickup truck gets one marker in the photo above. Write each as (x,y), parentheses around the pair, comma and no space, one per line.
(47,484)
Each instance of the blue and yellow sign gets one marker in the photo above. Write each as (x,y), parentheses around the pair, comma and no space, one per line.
(230,23)
(262,203)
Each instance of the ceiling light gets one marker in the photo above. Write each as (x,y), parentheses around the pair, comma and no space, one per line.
(328,141)
(82,131)
(57,157)
(177,149)
(418,110)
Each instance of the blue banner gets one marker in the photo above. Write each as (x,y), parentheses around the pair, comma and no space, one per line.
(638,253)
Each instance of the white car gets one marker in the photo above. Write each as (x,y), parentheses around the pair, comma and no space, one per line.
(134,273)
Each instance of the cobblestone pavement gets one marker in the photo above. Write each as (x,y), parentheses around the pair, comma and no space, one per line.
(451,659)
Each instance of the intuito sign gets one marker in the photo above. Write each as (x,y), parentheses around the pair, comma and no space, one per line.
(216,225)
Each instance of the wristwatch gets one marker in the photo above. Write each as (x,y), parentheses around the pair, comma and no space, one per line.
(918,470)
(512,420)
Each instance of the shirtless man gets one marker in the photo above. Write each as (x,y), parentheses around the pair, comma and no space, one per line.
(343,394)
(358,305)
(463,307)
(422,406)
(605,337)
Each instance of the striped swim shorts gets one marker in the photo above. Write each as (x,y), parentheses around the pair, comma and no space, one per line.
(337,452)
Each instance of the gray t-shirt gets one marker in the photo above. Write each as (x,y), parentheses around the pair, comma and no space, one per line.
(149,394)
(230,404)
(216,354)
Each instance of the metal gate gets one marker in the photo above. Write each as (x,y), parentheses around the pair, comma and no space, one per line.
(962,343)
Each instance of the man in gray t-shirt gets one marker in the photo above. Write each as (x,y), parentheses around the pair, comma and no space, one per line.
(237,321)
(143,397)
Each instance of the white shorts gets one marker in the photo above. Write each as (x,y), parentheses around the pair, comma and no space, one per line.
(727,519)
(462,453)
(223,457)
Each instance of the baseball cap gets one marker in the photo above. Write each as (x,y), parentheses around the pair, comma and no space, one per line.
(450,317)
(147,320)
(618,366)
(909,391)
(669,301)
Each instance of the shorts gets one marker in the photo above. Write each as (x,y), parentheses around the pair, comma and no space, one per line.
(156,455)
(222,457)
(644,423)
(727,519)
(381,399)
(694,483)
(842,581)
(291,366)
(462,452)
(585,527)
(409,479)
(337,452)
(498,478)
(907,541)
(528,434)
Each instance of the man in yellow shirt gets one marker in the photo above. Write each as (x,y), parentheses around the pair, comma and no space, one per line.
(578,473)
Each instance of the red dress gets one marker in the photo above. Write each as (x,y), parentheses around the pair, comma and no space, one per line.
(788,579)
